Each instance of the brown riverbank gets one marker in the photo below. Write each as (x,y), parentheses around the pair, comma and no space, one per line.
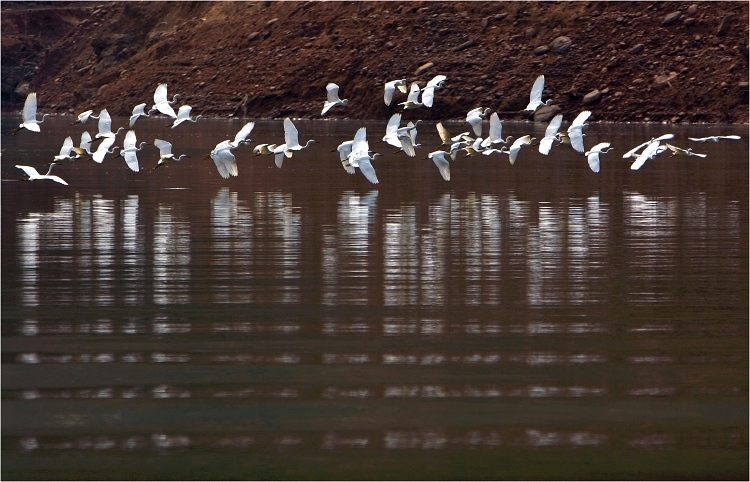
(625,61)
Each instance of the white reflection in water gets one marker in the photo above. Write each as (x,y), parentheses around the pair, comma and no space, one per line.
(277,248)
(133,252)
(171,249)
(347,249)
(650,246)
(232,248)
(28,259)
(103,228)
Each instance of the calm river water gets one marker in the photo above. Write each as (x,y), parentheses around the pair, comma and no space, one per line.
(534,321)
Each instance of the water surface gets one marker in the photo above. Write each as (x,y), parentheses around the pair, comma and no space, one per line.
(534,321)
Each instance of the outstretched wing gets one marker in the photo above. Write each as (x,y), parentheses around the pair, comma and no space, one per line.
(243,133)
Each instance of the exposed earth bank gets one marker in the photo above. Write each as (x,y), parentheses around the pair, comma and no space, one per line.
(625,61)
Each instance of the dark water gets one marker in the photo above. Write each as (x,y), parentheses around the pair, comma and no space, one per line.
(535,321)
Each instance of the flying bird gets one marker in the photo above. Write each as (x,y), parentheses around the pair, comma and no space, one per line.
(443,165)
(390,89)
(332,91)
(165,153)
(161,103)
(138,112)
(33,174)
(517,145)
(574,134)
(428,92)
(83,117)
(105,125)
(475,117)
(360,156)
(535,97)
(713,138)
(550,135)
(183,115)
(129,150)
(592,155)
(222,155)
(29,115)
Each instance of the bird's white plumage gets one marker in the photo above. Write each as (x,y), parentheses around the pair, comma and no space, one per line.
(535,97)
(104,149)
(592,155)
(130,150)
(28,114)
(412,99)
(183,115)
(575,131)
(713,138)
(332,99)
(651,150)
(390,89)
(34,175)
(443,165)
(105,125)
(161,103)
(138,112)
(632,152)
(475,117)
(65,150)
(550,134)
(515,148)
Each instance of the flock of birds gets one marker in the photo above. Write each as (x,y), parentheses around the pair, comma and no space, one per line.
(355,153)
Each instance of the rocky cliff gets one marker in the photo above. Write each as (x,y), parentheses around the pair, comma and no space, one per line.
(626,61)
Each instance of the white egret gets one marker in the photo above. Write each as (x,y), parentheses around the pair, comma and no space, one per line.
(291,138)
(104,149)
(390,89)
(263,149)
(592,155)
(575,131)
(129,150)
(161,103)
(86,142)
(332,92)
(680,151)
(475,117)
(83,117)
(391,136)
(460,145)
(105,125)
(138,112)
(165,153)
(550,135)
(652,150)
(183,115)
(443,165)
(344,149)
(65,151)
(412,99)
(407,138)
(33,174)
(517,145)
(632,152)
(491,150)
(428,92)
(535,97)
(222,155)
(29,115)
(713,138)
(360,156)
(495,134)
(445,135)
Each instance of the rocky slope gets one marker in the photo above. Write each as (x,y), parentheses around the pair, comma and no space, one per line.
(626,61)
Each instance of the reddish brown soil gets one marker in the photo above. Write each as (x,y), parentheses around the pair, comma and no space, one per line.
(273,59)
